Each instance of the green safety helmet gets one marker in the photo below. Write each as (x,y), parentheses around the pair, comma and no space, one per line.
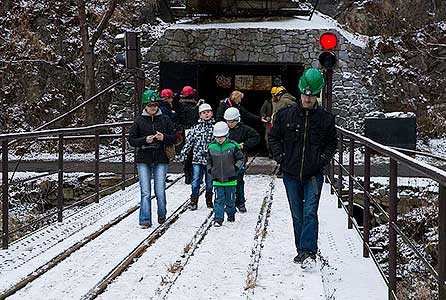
(311,82)
(150,96)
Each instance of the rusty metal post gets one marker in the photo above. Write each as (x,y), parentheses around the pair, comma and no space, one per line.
(5,200)
(442,243)
(133,61)
(332,186)
(366,215)
(351,171)
(123,157)
(393,211)
(340,171)
(96,165)
(60,181)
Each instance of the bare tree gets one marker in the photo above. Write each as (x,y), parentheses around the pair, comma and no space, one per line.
(88,47)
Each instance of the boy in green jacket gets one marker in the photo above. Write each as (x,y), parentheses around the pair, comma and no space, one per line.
(225,160)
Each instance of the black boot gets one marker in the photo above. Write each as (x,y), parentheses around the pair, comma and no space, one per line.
(193,203)
(209,203)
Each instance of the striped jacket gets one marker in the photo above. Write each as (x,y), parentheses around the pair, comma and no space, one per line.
(198,139)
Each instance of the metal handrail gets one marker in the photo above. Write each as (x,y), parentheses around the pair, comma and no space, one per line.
(428,170)
(395,158)
(54,132)
(59,133)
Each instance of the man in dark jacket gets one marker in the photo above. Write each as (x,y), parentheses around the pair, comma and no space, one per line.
(303,140)
(247,137)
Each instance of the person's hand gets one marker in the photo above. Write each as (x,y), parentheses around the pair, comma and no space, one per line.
(264,120)
(159,136)
(149,139)
(242,145)
(268,119)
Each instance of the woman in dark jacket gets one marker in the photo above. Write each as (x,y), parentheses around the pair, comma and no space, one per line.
(149,134)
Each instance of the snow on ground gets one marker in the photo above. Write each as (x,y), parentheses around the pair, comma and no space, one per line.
(219,266)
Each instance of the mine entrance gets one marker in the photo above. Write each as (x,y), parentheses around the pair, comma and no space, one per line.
(215,81)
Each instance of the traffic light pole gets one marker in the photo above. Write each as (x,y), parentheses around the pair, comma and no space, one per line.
(329,84)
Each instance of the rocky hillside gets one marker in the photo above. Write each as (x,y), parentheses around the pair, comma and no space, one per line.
(408,42)
(41,60)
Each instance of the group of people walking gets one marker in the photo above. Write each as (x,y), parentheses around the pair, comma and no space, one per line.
(300,135)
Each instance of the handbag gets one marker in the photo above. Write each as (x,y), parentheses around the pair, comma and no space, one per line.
(170,151)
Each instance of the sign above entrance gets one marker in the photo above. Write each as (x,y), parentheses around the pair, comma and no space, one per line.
(263,83)
(244,82)
(251,82)
(223,81)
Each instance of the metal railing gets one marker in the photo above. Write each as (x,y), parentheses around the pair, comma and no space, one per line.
(355,140)
(61,135)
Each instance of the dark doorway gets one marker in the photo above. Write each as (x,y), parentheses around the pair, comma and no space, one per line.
(215,81)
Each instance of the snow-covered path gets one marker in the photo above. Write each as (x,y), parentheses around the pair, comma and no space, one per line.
(193,260)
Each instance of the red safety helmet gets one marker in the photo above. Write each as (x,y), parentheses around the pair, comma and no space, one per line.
(166,93)
(187,90)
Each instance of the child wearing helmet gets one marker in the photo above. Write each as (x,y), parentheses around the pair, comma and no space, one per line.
(224,161)
(247,138)
(198,139)
(149,134)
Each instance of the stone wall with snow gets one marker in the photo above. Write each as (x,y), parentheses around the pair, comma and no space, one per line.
(353,94)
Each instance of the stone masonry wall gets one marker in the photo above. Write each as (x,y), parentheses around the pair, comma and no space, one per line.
(353,94)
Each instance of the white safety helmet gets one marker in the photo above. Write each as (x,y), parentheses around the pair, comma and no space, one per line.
(232,113)
(204,107)
(221,129)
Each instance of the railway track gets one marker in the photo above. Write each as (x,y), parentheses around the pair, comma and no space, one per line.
(124,262)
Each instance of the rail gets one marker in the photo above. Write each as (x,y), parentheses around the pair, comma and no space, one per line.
(61,135)
(355,140)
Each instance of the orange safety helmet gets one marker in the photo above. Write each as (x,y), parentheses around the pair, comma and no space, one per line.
(187,90)
(166,93)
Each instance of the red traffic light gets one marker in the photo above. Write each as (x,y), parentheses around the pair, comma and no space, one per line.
(328,41)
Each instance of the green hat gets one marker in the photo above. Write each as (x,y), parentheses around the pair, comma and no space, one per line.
(312,82)
(150,96)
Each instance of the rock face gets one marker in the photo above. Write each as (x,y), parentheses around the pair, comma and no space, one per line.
(409,62)
(353,95)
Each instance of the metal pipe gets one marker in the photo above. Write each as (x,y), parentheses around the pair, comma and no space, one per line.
(351,171)
(5,200)
(393,211)
(442,243)
(60,180)
(123,156)
(96,166)
(340,175)
(366,215)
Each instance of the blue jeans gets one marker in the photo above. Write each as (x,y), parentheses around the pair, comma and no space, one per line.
(145,176)
(224,200)
(197,178)
(303,197)
(240,191)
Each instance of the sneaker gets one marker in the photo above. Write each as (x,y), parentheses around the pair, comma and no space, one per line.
(242,209)
(161,220)
(193,206)
(218,223)
(308,261)
(231,218)
(145,226)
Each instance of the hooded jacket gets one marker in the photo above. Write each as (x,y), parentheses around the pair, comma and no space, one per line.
(145,125)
